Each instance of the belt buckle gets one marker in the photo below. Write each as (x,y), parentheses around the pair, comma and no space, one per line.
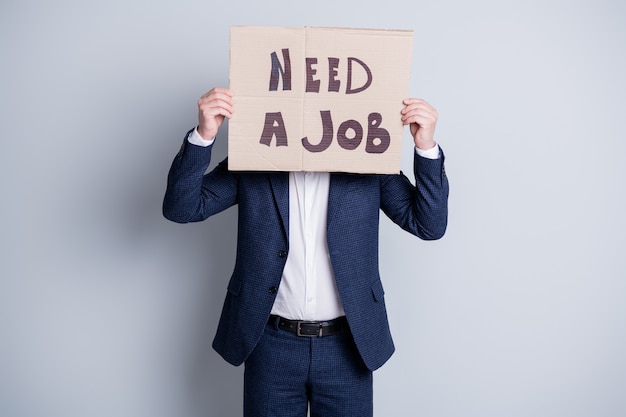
(299,329)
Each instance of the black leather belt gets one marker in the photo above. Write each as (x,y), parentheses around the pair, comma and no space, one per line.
(311,328)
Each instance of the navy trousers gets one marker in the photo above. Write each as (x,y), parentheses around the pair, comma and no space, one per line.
(287,373)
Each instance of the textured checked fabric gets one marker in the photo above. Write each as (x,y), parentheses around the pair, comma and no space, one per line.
(354,204)
(284,372)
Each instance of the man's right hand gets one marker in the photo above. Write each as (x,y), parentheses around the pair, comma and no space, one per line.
(213,107)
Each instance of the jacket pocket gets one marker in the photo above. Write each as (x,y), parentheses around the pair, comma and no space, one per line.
(377,291)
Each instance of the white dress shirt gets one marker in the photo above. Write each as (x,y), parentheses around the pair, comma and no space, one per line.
(307,289)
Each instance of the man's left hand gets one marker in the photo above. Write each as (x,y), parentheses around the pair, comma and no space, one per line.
(422,119)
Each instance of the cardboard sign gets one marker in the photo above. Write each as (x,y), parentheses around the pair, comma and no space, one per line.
(317,99)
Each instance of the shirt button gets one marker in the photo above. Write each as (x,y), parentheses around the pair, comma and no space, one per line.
(273,290)
(282,254)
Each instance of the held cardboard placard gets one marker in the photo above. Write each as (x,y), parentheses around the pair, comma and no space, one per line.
(317,99)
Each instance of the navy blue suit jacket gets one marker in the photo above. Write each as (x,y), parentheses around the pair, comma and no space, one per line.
(354,204)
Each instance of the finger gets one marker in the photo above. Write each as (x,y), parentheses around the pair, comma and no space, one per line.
(215,105)
(222,95)
(218,91)
(226,103)
(411,104)
(217,109)
(421,122)
(216,98)
(419,116)
(410,101)
(419,107)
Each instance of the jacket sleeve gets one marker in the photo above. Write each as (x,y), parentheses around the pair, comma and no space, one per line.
(192,195)
(421,209)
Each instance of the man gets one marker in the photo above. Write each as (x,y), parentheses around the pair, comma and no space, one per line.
(305,306)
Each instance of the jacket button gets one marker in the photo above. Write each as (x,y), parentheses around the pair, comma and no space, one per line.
(273,290)
(282,254)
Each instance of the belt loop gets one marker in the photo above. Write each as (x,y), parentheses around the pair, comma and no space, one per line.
(274,321)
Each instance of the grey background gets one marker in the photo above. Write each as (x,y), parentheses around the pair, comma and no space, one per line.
(107,309)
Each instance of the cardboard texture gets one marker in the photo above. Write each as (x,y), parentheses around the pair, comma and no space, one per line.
(318,99)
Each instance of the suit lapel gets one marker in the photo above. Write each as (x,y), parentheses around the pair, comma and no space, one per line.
(280,188)
(336,192)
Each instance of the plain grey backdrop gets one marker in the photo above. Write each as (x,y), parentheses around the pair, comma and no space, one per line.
(107,309)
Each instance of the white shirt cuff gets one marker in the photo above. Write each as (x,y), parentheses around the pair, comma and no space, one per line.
(195,139)
(432,153)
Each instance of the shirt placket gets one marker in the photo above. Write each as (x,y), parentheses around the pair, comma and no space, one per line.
(309,239)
